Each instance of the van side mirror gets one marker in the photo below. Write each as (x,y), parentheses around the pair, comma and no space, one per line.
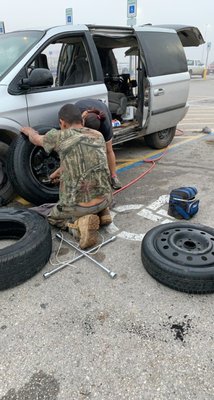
(39,77)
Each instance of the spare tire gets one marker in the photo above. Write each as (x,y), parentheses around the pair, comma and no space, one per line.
(27,167)
(32,250)
(180,255)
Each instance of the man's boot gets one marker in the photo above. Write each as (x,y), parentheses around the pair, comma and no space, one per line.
(105,217)
(88,229)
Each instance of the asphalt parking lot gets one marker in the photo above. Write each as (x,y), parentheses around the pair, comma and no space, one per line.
(82,335)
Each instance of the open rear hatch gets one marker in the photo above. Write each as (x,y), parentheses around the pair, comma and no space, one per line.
(189,35)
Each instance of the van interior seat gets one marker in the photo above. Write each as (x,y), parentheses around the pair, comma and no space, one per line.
(80,73)
(117,103)
(41,61)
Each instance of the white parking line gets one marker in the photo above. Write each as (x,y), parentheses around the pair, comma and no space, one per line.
(152,212)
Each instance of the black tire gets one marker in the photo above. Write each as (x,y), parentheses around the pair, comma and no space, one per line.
(161,139)
(30,253)
(181,256)
(27,166)
(6,188)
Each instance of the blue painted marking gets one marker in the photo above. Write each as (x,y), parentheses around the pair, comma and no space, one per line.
(139,163)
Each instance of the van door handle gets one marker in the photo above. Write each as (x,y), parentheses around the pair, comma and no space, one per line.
(159,92)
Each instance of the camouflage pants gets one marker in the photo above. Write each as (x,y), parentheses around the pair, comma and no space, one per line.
(59,216)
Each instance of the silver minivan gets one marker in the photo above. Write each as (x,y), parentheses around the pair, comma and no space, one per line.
(40,70)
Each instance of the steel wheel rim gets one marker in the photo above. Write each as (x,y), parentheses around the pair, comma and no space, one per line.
(186,246)
(42,165)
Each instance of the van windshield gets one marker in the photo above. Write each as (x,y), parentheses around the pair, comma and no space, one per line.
(14,45)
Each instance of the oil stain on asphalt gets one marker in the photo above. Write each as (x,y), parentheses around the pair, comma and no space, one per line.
(40,386)
(179,329)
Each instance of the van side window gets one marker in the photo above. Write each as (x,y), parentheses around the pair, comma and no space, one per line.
(74,67)
(68,61)
(164,53)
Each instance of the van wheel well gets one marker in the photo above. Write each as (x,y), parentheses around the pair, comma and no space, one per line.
(160,139)
(7,136)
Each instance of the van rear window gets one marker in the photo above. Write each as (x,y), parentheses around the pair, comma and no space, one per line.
(164,53)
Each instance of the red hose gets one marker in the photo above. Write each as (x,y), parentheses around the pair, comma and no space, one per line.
(143,174)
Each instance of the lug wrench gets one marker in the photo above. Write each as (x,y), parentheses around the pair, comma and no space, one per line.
(110,273)
(83,253)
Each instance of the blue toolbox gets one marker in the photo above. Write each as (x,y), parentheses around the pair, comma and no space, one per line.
(183,203)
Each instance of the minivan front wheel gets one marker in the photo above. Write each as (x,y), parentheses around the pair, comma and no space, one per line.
(28,167)
(160,139)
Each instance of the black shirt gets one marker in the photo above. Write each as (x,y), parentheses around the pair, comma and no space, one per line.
(106,124)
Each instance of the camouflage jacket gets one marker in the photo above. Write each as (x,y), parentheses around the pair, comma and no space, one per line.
(84,168)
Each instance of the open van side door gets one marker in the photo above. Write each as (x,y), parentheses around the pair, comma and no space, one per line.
(167,76)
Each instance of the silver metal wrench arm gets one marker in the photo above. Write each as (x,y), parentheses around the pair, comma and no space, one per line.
(58,236)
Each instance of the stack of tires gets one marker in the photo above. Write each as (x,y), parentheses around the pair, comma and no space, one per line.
(31,250)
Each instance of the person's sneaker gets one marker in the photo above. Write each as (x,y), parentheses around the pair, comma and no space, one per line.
(115,183)
(88,228)
(105,217)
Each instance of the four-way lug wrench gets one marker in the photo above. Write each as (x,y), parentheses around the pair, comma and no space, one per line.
(83,253)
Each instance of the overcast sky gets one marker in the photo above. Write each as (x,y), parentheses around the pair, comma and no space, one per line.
(42,13)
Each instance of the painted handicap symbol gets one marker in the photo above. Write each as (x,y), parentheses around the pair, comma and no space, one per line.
(153,212)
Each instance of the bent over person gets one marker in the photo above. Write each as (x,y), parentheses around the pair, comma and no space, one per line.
(96,115)
(84,191)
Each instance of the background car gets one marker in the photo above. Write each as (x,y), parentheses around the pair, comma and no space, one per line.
(196,67)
